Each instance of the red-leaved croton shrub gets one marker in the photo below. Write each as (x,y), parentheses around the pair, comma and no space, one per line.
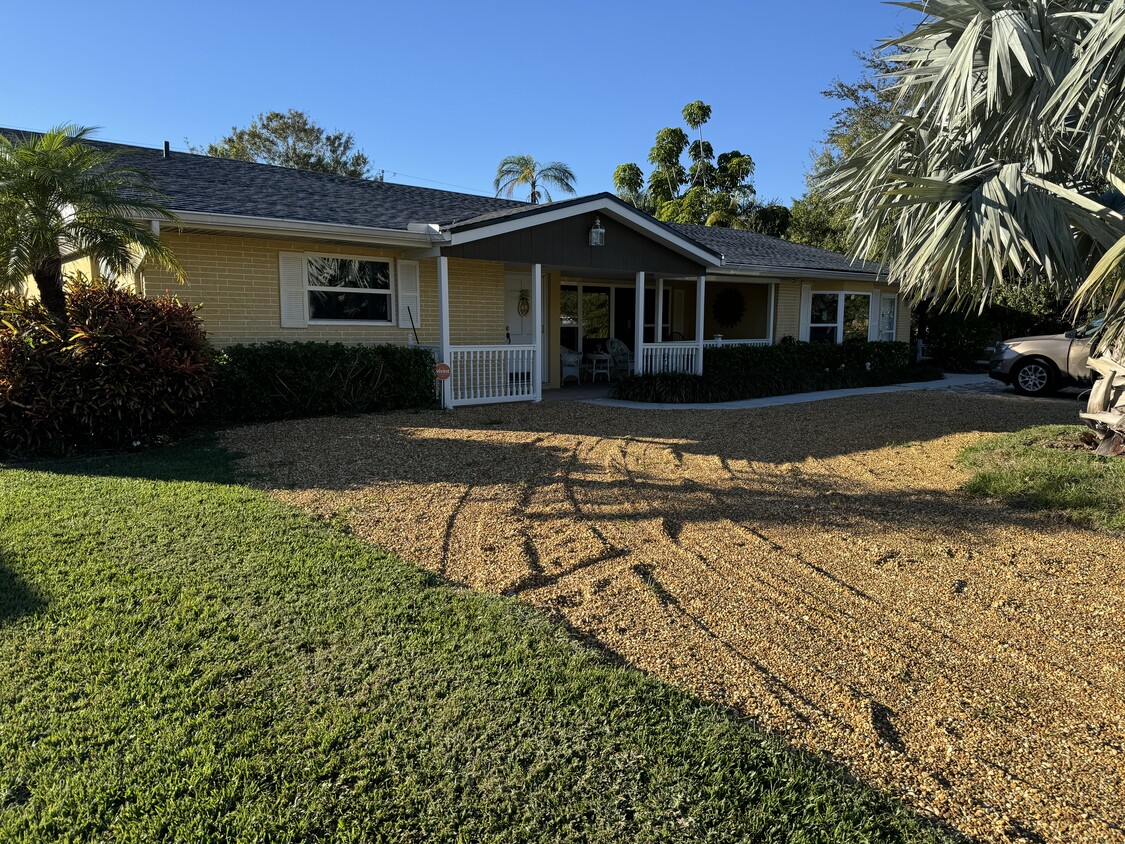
(122,371)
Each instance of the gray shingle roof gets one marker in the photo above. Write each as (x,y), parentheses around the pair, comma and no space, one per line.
(243,188)
(750,249)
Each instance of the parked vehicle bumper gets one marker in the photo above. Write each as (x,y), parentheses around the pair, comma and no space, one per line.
(1002,363)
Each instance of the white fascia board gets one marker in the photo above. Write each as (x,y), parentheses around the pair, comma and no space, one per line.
(633,219)
(798,272)
(236,224)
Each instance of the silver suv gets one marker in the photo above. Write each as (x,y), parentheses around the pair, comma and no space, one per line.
(1038,366)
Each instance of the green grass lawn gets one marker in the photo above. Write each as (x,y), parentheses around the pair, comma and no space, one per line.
(183,658)
(1046,468)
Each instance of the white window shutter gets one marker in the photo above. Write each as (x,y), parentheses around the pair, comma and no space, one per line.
(409,294)
(294,298)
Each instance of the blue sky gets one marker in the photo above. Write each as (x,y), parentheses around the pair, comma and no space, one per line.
(437,93)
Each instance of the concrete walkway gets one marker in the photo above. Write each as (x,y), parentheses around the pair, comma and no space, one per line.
(952,381)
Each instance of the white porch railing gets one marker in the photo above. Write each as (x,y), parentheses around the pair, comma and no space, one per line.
(711,344)
(490,374)
(677,356)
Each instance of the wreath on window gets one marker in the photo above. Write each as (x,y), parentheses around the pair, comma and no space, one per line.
(728,307)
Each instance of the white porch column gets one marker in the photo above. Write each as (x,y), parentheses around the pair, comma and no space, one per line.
(639,327)
(537,327)
(658,333)
(873,313)
(443,321)
(700,298)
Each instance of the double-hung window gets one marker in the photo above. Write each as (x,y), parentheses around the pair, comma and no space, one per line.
(348,289)
(835,317)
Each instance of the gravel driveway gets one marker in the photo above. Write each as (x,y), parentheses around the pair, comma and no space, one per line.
(814,566)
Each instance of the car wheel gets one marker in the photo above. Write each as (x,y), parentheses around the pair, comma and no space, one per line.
(1034,378)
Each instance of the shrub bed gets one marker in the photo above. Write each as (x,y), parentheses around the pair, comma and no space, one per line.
(125,369)
(280,380)
(732,373)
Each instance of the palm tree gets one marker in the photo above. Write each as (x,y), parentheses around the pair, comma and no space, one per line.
(62,199)
(1000,168)
(516,170)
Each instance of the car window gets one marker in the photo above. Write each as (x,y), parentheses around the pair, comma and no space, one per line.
(1085,332)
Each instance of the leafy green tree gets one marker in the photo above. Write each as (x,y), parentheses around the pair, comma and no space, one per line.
(716,191)
(63,199)
(629,182)
(292,139)
(523,170)
(1002,167)
(695,114)
(772,218)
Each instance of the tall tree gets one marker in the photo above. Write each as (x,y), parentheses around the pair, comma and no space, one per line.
(292,139)
(523,170)
(629,182)
(1002,166)
(62,199)
(716,191)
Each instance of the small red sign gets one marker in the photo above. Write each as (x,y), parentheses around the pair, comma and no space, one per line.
(442,372)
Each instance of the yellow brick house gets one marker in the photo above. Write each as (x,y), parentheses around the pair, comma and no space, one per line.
(505,292)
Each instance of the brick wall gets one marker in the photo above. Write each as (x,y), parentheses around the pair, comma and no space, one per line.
(235,281)
(476,302)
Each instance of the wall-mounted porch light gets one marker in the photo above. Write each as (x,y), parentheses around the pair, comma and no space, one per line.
(597,233)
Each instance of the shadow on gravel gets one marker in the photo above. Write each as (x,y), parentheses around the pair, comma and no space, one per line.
(342,453)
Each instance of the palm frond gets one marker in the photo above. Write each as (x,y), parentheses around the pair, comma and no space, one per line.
(1012,114)
(62,197)
(523,170)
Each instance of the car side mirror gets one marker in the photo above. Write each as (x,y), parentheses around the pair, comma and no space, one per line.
(1070,335)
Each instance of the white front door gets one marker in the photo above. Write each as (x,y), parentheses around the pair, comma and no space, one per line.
(518,310)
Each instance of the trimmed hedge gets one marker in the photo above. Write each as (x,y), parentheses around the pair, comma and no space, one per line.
(732,373)
(124,370)
(281,380)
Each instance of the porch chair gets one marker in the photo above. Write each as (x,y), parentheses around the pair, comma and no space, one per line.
(622,358)
(571,364)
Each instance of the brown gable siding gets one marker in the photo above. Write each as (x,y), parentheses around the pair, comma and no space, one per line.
(565,243)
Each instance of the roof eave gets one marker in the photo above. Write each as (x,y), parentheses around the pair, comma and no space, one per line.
(278,227)
(729,268)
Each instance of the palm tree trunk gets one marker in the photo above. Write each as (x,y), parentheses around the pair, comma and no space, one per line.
(49,279)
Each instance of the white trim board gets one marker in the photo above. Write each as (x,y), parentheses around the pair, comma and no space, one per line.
(281,228)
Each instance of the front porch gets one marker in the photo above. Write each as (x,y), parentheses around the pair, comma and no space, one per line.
(598,330)
(528,300)
(565,289)
(670,329)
